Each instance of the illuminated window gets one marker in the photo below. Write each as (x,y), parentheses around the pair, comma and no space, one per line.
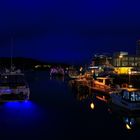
(132,64)
(132,98)
(137,96)
(131,58)
(126,95)
(100,80)
(124,63)
(125,58)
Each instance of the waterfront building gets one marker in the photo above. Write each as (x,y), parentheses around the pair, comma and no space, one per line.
(123,59)
(124,63)
(102,60)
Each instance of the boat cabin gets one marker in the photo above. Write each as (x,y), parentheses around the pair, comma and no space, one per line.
(13,86)
(103,84)
(105,80)
(12,80)
(128,98)
(130,94)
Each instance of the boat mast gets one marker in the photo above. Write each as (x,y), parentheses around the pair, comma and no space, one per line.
(11,52)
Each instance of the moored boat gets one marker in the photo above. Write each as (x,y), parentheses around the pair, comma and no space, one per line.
(102,84)
(13,86)
(58,71)
(128,98)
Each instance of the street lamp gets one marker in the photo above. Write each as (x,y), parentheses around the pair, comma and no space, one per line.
(120,58)
(129,73)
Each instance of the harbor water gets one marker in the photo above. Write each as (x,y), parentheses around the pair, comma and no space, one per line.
(56,111)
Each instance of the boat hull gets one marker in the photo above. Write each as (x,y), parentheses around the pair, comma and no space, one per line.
(14,94)
(125,104)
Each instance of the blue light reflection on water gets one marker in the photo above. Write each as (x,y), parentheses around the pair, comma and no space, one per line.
(55,112)
(19,104)
(18,110)
(21,117)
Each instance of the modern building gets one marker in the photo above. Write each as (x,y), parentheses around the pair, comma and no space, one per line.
(102,60)
(123,59)
(124,63)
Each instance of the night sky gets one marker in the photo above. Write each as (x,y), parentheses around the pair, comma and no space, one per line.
(68,31)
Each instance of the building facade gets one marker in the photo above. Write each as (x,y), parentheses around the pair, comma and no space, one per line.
(123,59)
(102,60)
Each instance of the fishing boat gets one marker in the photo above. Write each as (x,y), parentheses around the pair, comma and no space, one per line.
(128,98)
(13,86)
(102,84)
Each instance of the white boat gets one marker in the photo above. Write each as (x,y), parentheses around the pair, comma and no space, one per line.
(128,98)
(13,86)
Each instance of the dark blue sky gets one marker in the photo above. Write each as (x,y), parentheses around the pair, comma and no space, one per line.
(68,31)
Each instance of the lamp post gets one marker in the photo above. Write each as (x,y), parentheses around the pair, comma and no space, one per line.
(129,74)
(120,58)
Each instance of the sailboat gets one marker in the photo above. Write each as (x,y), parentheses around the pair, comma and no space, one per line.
(13,85)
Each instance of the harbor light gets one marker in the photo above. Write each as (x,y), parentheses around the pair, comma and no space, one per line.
(129,73)
(37,66)
(120,56)
(120,59)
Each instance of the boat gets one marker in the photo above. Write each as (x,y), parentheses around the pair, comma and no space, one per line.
(73,73)
(102,84)
(74,76)
(83,80)
(13,86)
(128,98)
(58,71)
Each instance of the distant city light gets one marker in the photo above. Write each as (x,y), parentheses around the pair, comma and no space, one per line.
(129,72)
(37,66)
(81,68)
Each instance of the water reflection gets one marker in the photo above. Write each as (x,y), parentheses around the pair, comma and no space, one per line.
(128,127)
(57,77)
(20,112)
(129,120)
(92,106)
(19,104)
